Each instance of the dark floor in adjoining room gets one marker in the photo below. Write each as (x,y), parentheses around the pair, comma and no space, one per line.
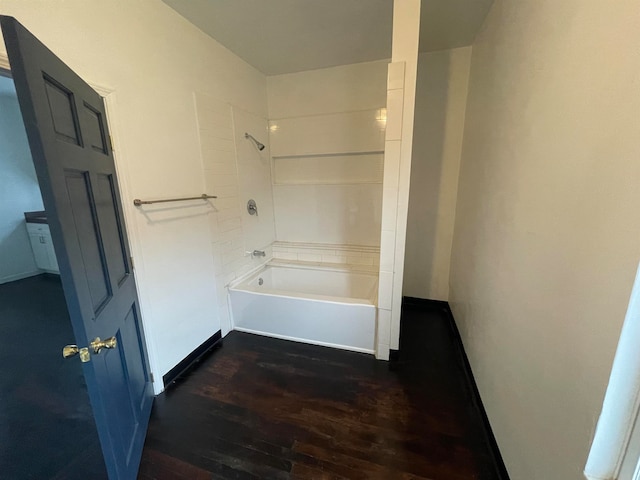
(262,408)
(47,429)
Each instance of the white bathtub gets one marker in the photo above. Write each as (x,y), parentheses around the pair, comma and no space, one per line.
(322,306)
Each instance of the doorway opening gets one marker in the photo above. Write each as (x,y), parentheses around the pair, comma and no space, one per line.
(47,423)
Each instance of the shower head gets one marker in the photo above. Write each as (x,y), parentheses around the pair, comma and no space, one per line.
(258,144)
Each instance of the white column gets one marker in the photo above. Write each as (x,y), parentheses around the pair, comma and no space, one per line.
(401,93)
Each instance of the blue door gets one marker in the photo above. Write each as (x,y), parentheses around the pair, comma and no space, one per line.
(67,130)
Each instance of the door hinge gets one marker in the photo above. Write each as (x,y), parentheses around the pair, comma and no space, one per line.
(111,142)
(151,375)
(132,264)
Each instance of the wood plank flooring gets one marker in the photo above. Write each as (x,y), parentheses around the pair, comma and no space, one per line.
(262,408)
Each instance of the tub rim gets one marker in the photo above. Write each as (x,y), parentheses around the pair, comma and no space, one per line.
(331,267)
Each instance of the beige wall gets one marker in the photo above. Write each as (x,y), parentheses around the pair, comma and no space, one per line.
(441,98)
(155,60)
(547,234)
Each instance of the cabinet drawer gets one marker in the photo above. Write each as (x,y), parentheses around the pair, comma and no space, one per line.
(42,246)
(37,228)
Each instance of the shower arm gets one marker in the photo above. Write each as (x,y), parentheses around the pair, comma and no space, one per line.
(260,145)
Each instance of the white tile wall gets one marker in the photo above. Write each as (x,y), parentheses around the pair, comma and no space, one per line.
(327,139)
(383,334)
(385,290)
(395,99)
(391,173)
(328,169)
(395,76)
(327,206)
(342,132)
(389,207)
(327,253)
(335,214)
(347,88)
(387,249)
(384,324)
(390,282)
(234,170)
(254,173)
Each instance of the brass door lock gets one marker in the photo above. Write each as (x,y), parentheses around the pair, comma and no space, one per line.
(96,345)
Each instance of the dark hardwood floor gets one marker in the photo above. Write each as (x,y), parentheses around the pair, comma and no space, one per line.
(261,408)
(47,429)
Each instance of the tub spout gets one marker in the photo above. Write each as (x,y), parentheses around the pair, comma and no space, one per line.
(258,253)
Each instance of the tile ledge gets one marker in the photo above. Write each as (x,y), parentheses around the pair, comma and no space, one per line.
(328,246)
(342,267)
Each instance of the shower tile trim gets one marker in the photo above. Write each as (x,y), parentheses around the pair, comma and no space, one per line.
(327,253)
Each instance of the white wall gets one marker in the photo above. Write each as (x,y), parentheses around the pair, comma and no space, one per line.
(546,240)
(19,190)
(441,98)
(327,139)
(155,60)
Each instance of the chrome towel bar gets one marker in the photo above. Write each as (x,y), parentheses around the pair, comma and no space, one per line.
(137,202)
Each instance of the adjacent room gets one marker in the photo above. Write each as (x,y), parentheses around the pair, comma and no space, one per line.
(347,239)
(44,399)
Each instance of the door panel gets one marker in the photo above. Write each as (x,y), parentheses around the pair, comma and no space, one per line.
(63,112)
(114,237)
(95,130)
(85,220)
(66,126)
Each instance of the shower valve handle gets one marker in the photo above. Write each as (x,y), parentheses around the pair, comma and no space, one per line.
(252,208)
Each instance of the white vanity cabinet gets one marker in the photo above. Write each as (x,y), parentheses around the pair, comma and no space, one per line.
(42,246)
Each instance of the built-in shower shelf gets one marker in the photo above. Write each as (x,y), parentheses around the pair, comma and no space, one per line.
(326,155)
(352,168)
(365,256)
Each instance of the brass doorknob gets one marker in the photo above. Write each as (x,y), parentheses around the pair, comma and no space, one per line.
(73,350)
(70,351)
(97,345)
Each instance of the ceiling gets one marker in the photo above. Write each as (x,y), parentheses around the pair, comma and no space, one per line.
(285,36)
(450,23)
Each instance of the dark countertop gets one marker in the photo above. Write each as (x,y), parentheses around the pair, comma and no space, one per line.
(36,217)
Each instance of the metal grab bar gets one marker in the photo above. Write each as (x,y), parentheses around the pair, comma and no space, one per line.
(137,202)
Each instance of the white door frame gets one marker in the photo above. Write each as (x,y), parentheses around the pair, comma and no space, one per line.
(616,445)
